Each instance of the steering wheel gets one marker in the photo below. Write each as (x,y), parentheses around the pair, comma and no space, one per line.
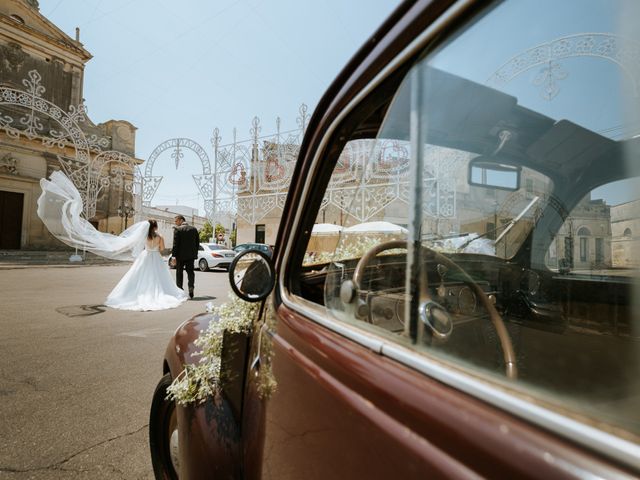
(429,309)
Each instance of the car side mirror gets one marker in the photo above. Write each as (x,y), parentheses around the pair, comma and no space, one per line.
(489,173)
(252,275)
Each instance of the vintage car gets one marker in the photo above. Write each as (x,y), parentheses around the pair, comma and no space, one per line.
(497,333)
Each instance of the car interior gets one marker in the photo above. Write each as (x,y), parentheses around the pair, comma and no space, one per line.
(530,283)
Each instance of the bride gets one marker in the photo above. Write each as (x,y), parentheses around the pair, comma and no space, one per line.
(148,284)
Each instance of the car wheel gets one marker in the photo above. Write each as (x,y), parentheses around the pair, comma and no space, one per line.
(163,433)
(203,265)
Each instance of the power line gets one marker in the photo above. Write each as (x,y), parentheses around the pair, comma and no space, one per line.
(55,8)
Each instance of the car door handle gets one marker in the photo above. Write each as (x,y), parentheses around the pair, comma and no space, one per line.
(255,363)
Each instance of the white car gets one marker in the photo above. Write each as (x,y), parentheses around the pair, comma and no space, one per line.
(211,255)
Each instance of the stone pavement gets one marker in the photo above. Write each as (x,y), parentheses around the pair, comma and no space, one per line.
(77,378)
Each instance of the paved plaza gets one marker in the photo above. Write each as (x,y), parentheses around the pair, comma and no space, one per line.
(76,378)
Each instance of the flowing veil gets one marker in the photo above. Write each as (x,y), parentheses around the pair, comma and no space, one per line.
(60,208)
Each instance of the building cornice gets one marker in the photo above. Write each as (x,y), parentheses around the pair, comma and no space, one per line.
(69,50)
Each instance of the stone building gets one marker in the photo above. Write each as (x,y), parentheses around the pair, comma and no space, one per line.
(625,230)
(584,241)
(42,120)
(165,216)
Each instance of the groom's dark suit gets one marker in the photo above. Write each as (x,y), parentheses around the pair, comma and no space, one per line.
(185,250)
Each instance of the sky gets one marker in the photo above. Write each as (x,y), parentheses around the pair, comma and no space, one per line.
(594,91)
(182,68)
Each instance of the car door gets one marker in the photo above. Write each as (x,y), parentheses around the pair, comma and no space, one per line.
(392,348)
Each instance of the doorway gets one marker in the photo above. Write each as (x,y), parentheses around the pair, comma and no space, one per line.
(260,233)
(11,204)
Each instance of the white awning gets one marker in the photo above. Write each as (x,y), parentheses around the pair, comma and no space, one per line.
(376,227)
(326,228)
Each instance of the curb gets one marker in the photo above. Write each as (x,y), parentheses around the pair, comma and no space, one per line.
(19,266)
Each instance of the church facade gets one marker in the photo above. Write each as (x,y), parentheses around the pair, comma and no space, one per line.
(44,127)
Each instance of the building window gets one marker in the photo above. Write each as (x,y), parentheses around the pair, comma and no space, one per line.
(584,232)
(583,249)
(599,251)
(627,232)
(260,233)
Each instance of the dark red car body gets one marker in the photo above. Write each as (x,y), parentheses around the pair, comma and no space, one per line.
(343,409)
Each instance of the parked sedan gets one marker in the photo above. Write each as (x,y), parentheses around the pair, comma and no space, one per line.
(262,247)
(211,255)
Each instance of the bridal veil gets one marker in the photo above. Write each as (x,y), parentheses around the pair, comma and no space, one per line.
(60,208)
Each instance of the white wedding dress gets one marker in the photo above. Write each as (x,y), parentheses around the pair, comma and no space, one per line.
(148,285)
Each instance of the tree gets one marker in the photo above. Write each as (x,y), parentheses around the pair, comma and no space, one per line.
(206,232)
(219,230)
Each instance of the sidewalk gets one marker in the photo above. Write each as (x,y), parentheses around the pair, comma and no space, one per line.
(11,259)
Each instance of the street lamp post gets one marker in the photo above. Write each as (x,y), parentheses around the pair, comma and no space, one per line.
(126,211)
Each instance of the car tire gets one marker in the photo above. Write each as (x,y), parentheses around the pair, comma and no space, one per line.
(163,433)
(203,265)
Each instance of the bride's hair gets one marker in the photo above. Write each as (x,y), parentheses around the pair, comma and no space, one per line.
(152,229)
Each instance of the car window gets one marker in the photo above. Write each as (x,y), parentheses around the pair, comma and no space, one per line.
(200,247)
(491,221)
(213,246)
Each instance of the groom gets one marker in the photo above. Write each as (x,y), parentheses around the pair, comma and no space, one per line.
(185,251)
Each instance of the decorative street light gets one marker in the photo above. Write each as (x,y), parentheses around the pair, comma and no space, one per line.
(127,212)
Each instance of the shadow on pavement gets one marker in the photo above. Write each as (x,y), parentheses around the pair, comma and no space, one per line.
(81,310)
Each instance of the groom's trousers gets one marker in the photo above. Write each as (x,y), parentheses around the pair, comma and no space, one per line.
(188,266)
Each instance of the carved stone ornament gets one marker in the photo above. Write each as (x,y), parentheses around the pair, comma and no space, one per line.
(12,56)
(33,3)
(9,164)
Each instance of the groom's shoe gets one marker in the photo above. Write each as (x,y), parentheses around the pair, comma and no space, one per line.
(191,293)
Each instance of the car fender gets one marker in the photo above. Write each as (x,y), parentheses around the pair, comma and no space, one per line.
(209,434)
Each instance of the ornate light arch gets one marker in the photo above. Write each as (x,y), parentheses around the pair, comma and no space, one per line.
(85,172)
(606,46)
(204,181)
(109,168)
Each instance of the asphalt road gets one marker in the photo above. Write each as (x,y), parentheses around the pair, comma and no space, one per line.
(76,378)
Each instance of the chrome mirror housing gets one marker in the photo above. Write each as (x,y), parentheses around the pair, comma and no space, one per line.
(252,275)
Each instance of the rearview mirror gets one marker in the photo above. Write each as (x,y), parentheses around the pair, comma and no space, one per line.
(488,173)
(252,275)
